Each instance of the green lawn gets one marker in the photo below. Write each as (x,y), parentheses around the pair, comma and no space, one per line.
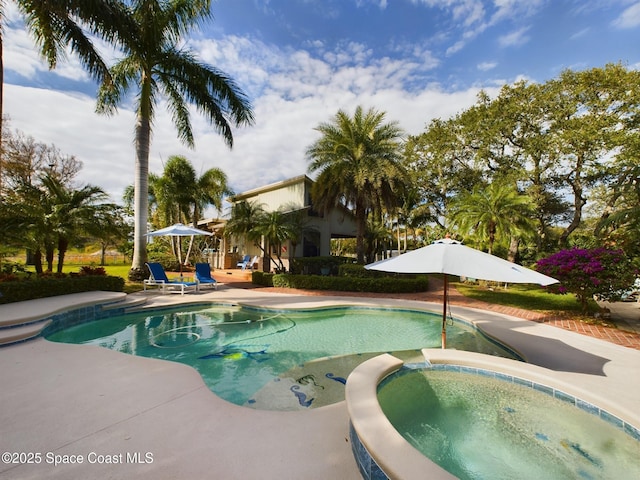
(123,271)
(527,297)
(117,270)
(113,270)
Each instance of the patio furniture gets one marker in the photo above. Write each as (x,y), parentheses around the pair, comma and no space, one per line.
(253,261)
(203,275)
(158,278)
(244,262)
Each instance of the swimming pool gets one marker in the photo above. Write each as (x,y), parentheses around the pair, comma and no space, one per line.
(477,426)
(275,359)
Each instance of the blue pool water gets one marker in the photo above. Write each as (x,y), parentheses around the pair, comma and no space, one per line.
(478,427)
(271,359)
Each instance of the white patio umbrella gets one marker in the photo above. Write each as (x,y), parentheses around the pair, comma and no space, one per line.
(178,230)
(450,257)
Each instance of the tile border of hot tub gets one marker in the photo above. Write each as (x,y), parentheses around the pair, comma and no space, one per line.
(551,391)
(395,458)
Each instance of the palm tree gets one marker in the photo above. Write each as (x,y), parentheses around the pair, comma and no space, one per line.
(187,195)
(359,163)
(109,229)
(276,228)
(492,211)
(156,65)
(209,189)
(51,215)
(24,222)
(57,24)
(377,239)
(245,217)
(73,212)
(298,225)
(172,191)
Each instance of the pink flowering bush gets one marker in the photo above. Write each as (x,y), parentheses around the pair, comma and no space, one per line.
(586,273)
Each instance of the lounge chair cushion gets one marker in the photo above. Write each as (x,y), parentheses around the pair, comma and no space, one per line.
(159,278)
(203,275)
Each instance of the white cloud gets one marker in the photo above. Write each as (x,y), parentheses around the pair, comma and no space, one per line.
(382,4)
(465,12)
(579,34)
(474,17)
(630,17)
(456,47)
(514,39)
(21,56)
(515,9)
(292,92)
(104,145)
(485,66)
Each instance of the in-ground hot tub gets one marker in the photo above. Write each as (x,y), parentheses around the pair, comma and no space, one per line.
(465,415)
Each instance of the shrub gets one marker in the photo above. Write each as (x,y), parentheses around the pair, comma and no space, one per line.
(11,267)
(86,270)
(588,273)
(8,277)
(314,265)
(262,278)
(51,286)
(355,270)
(350,284)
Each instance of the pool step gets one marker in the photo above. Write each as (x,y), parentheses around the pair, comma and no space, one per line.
(23,321)
(9,335)
(129,303)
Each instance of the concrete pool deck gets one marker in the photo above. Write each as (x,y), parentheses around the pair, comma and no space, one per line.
(61,400)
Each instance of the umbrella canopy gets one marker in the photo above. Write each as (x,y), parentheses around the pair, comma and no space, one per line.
(178,230)
(450,257)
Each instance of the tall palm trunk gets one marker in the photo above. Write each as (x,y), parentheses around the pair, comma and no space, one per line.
(37,260)
(63,245)
(492,236)
(514,243)
(103,251)
(49,254)
(141,185)
(361,228)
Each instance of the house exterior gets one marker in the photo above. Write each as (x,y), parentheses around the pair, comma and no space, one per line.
(289,195)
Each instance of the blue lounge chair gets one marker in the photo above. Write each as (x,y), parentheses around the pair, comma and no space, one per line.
(203,275)
(159,279)
(244,262)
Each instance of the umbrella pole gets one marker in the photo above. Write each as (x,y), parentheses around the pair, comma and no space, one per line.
(444,312)
(180,256)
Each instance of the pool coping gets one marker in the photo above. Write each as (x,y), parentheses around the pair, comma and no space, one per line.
(22,313)
(381,452)
(52,401)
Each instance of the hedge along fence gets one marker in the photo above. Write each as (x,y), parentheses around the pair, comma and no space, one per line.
(386,284)
(20,290)
(355,270)
(315,265)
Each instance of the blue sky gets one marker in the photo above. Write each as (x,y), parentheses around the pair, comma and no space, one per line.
(300,61)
